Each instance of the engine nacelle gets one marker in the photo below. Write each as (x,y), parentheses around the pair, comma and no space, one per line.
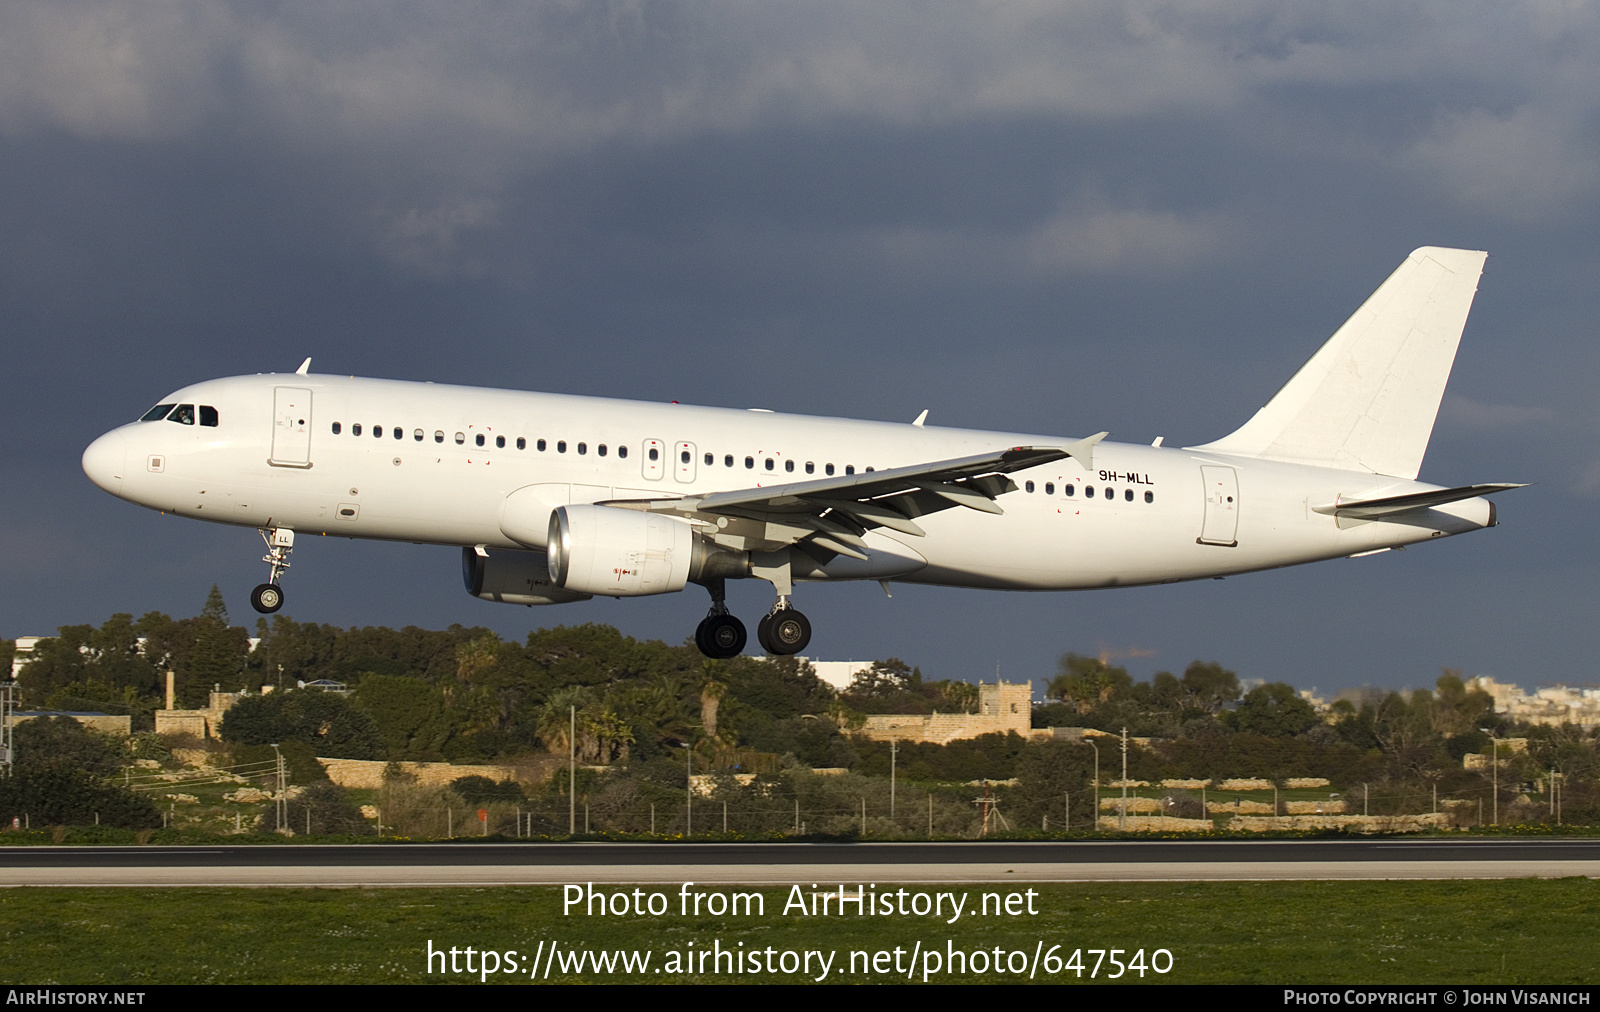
(513,578)
(624,553)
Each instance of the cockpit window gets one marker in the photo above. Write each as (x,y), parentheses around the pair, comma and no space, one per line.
(157,413)
(183,414)
(208,415)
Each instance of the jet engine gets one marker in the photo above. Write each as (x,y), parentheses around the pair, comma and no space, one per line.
(629,553)
(513,578)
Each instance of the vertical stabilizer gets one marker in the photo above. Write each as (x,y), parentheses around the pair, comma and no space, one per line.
(1368,398)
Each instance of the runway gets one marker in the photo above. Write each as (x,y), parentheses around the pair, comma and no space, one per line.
(501,864)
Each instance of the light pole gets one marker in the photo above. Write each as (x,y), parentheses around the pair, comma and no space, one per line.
(282,806)
(894,749)
(1496,781)
(1094,817)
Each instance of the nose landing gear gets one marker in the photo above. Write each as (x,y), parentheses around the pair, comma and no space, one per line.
(268,597)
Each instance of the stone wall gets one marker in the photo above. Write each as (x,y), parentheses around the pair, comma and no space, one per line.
(105,723)
(1358,823)
(1156,824)
(369,773)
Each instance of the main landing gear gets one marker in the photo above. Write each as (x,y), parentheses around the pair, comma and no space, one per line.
(784,631)
(721,635)
(268,597)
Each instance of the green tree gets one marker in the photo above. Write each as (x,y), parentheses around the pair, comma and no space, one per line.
(60,777)
(1208,686)
(410,715)
(1086,682)
(324,720)
(326,808)
(1273,710)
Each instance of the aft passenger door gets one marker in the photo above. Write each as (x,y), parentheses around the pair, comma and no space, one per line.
(291,427)
(1221,524)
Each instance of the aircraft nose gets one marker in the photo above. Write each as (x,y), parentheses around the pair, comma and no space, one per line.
(104,461)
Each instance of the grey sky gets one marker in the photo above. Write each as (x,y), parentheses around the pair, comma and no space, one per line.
(1042,217)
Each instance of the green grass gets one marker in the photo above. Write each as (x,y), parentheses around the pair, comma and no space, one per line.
(1540,931)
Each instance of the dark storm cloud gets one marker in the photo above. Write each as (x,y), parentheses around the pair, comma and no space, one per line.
(1040,217)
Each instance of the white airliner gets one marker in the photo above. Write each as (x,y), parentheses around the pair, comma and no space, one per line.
(558,498)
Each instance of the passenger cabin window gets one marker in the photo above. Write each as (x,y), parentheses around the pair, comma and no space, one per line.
(1128,495)
(208,415)
(417,435)
(769,463)
(540,446)
(399,433)
(1111,493)
(377,431)
(1069,491)
(1028,485)
(522,442)
(157,413)
(478,439)
(849,469)
(461,437)
(788,465)
(355,430)
(749,462)
(583,447)
(561,446)
(1049,488)
(601,449)
(1149,497)
(828,469)
(622,451)
(438,435)
(710,459)
(811,468)
(727,461)
(335,428)
(183,414)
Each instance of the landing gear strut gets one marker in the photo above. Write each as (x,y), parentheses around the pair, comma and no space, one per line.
(720,635)
(268,597)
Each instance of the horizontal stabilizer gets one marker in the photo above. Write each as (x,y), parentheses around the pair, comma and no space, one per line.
(1372,509)
(1368,398)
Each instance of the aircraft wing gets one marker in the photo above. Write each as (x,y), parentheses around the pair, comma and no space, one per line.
(833,513)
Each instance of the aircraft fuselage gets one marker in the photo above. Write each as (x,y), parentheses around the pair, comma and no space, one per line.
(402,461)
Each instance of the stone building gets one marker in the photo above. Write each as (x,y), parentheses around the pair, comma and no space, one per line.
(1002,707)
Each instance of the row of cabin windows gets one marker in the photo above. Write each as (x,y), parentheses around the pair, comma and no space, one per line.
(768,463)
(479,439)
(1089,492)
(183,414)
(600,449)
